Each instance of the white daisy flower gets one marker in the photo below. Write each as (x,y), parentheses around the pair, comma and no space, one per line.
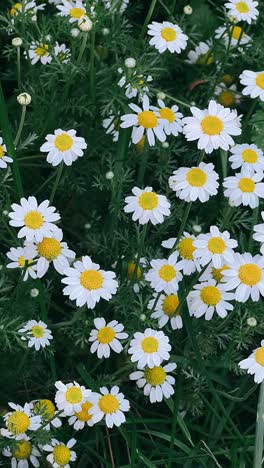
(245,276)
(23,453)
(109,405)
(144,121)
(167,36)
(201,54)
(83,417)
(27,7)
(210,297)
(4,159)
(156,382)
(39,51)
(248,156)
(147,205)
(227,96)
(215,247)
(244,188)
(119,6)
(86,283)
(166,310)
(259,233)
(111,125)
(73,9)
(37,334)
(254,84)
(47,411)
(165,275)
(254,364)
(19,421)
(212,127)
(149,348)
(243,10)
(52,250)
(19,257)
(213,273)
(134,84)
(106,337)
(170,117)
(62,53)
(238,37)
(60,454)
(63,146)
(186,249)
(195,183)
(70,397)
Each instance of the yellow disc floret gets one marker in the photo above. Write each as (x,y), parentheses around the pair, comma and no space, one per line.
(168,34)
(63,142)
(45,408)
(227,98)
(15,8)
(242,7)
(249,156)
(42,50)
(49,248)
(91,279)
(23,450)
(61,454)
(167,114)
(2,152)
(196,177)
(74,395)
(150,344)
(18,422)
(167,273)
(105,335)
(131,271)
(148,200)
(77,13)
(33,220)
(217,273)
(216,245)
(147,119)
(259,356)
(108,404)
(237,32)
(260,80)
(155,376)
(246,185)
(170,304)
(186,248)
(83,415)
(210,295)
(250,274)
(38,331)
(212,125)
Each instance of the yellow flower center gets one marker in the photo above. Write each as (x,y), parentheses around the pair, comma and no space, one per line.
(23,450)
(108,404)
(37,331)
(147,119)
(18,422)
(2,153)
(49,248)
(155,376)
(249,156)
(237,32)
(196,177)
(77,13)
(246,185)
(61,454)
(45,408)
(242,7)
(15,8)
(91,279)
(250,274)
(63,142)
(21,261)
(130,271)
(210,295)
(170,304)
(216,245)
(150,344)
(217,273)
(33,220)
(205,59)
(148,200)
(167,114)
(186,248)
(260,80)
(259,356)
(228,79)
(227,98)
(105,335)
(84,415)
(167,273)
(42,49)
(212,125)
(168,34)
(73,395)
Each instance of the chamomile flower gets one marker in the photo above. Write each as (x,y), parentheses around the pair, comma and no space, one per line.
(167,36)
(245,275)
(201,55)
(166,309)
(74,10)
(19,421)
(39,51)
(147,205)
(212,127)
(156,382)
(259,233)
(215,247)
(149,348)
(60,454)
(23,453)
(227,96)
(111,125)
(165,275)
(238,36)
(248,156)
(4,159)
(83,417)
(37,334)
(28,7)
(210,297)
(109,405)
(254,84)
(62,53)
(47,411)
(106,337)
(70,397)
(213,273)
(244,188)
(36,221)
(63,146)
(254,364)
(243,10)
(134,84)
(170,117)
(19,257)
(144,120)
(195,183)
(86,283)
(186,250)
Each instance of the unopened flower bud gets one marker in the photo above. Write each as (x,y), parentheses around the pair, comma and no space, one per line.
(161,95)
(197,228)
(75,32)
(5,213)
(252,322)
(109,175)
(165,145)
(142,317)
(24,99)
(85,24)
(17,42)
(105,31)
(187,10)
(130,62)
(87,226)
(34,292)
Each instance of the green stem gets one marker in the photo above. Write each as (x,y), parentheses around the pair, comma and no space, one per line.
(143,164)
(56,183)
(92,86)
(148,18)
(253,223)
(8,140)
(140,249)
(258,452)
(182,103)
(174,418)
(21,125)
(82,49)
(18,69)
(249,114)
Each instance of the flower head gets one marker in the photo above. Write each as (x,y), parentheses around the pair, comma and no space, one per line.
(70,397)
(19,421)
(247,156)
(215,247)
(60,454)
(74,10)
(165,275)
(147,205)
(254,364)
(37,334)
(156,382)
(39,51)
(254,84)
(244,188)
(4,159)
(149,348)
(210,297)
(63,146)
(22,257)
(167,36)
(109,405)
(106,337)
(166,310)
(243,10)
(170,118)
(22,453)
